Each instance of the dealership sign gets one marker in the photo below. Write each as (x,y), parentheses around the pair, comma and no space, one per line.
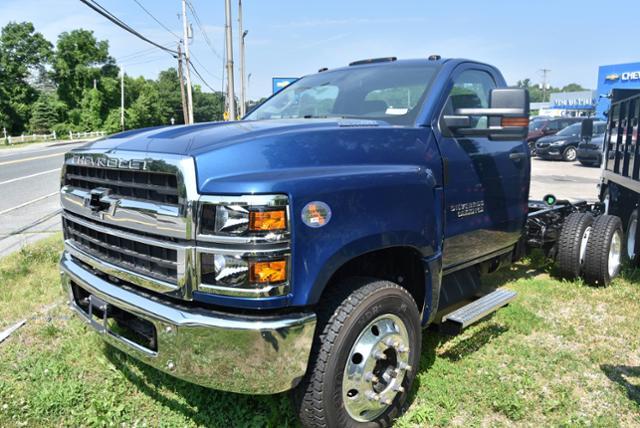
(581,100)
(626,76)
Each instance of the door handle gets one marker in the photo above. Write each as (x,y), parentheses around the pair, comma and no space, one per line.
(516,156)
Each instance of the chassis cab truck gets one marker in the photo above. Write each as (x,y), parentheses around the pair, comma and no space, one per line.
(306,246)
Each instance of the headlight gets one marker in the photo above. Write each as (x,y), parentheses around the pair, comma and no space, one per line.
(245,216)
(557,143)
(241,275)
(243,245)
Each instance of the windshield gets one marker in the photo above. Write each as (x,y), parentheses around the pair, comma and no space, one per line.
(391,92)
(571,130)
(537,124)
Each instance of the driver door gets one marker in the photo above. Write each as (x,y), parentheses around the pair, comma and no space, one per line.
(486,183)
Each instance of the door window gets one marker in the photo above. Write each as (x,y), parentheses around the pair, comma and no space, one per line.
(471,89)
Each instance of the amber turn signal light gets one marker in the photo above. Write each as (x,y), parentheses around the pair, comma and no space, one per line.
(515,121)
(272,220)
(268,272)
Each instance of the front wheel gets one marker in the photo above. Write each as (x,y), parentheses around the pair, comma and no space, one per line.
(364,358)
(570,154)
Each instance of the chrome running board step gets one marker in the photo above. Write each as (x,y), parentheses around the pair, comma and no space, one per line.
(454,322)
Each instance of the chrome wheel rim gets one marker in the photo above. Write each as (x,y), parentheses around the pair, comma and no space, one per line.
(376,367)
(583,244)
(614,254)
(631,239)
(571,154)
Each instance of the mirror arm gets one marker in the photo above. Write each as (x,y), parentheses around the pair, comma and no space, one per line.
(490,112)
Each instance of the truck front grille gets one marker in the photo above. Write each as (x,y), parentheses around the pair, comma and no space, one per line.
(149,260)
(152,186)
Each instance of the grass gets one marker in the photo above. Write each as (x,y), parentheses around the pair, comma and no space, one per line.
(562,354)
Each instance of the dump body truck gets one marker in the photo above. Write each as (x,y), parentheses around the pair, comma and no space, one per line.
(305,247)
(620,180)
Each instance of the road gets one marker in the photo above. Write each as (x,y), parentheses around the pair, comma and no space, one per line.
(29,181)
(30,178)
(566,180)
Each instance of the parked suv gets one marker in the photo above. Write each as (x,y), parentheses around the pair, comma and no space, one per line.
(564,144)
(548,126)
(590,149)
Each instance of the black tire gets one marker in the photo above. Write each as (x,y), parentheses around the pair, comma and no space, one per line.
(572,244)
(348,309)
(570,154)
(597,269)
(590,164)
(631,238)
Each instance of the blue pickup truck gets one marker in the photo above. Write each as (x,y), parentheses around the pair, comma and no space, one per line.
(305,247)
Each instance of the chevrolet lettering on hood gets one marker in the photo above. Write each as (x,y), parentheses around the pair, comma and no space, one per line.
(105,162)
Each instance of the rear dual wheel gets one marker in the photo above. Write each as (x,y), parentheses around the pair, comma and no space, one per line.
(592,248)
(605,251)
(631,241)
(572,244)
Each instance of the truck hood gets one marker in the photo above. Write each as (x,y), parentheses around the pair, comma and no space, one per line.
(200,138)
(273,155)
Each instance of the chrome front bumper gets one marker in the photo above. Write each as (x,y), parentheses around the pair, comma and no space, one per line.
(246,354)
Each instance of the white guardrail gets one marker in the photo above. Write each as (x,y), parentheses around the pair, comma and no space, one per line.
(32,138)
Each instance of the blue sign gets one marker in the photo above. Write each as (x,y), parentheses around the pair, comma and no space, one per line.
(617,76)
(280,83)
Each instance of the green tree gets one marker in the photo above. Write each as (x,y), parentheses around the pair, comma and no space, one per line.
(573,87)
(207,106)
(91,110)
(145,111)
(79,60)
(169,91)
(45,113)
(23,52)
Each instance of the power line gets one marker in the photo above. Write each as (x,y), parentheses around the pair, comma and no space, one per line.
(128,58)
(156,19)
(138,53)
(195,70)
(105,13)
(147,61)
(205,36)
(205,68)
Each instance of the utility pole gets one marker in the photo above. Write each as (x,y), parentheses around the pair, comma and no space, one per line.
(544,71)
(122,98)
(229,51)
(243,34)
(185,30)
(185,109)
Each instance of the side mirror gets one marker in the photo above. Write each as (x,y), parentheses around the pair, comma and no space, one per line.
(508,117)
(586,131)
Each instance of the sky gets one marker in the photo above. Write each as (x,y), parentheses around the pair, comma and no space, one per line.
(290,38)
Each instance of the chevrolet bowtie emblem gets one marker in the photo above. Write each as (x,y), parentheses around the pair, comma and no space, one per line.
(98,201)
(612,77)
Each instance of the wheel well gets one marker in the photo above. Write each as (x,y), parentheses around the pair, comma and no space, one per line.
(402,265)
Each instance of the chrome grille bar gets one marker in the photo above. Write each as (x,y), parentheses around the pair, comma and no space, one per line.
(153,186)
(153,261)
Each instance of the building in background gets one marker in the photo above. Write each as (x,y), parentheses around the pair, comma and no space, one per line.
(279,83)
(570,104)
(616,76)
